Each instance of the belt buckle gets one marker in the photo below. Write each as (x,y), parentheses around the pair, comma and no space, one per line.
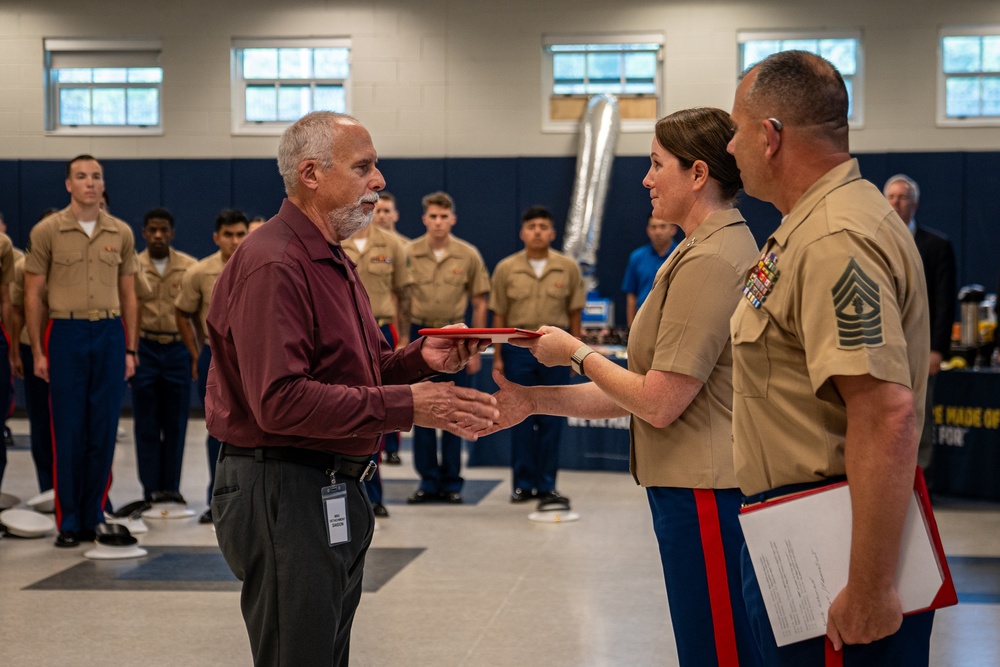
(93,315)
(369,471)
(163,339)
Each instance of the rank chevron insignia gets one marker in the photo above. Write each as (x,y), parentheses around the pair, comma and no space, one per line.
(858,308)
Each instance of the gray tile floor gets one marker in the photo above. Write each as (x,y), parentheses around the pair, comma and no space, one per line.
(472,585)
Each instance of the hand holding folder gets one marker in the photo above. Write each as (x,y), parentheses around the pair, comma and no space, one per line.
(800,546)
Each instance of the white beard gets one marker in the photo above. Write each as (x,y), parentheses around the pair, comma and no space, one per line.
(349,220)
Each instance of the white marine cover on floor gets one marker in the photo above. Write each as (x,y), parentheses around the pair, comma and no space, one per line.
(168,511)
(43,502)
(27,523)
(554,516)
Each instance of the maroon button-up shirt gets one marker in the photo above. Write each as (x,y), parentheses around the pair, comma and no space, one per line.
(297,356)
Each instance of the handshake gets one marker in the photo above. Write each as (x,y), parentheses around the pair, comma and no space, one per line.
(469,413)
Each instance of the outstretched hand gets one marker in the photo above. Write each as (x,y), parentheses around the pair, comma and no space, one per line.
(450,355)
(554,347)
(459,410)
(513,402)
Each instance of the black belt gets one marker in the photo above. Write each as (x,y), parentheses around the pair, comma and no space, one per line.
(360,467)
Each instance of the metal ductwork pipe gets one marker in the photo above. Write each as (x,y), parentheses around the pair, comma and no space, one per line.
(598,138)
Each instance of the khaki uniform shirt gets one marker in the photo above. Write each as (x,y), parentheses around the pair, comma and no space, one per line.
(850,299)
(157,309)
(197,284)
(683,327)
(529,302)
(82,272)
(442,288)
(7,259)
(383,268)
(17,298)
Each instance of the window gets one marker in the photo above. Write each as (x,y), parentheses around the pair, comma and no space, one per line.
(103,86)
(276,82)
(843,49)
(969,77)
(574,68)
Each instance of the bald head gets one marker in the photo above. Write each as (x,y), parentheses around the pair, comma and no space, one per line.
(802,90)
(309,138)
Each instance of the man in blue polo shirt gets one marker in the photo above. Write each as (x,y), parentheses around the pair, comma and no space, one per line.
(643,264)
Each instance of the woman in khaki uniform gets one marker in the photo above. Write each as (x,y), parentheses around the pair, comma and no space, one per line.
(678,387)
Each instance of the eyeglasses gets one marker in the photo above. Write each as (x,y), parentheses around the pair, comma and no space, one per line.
(778,125)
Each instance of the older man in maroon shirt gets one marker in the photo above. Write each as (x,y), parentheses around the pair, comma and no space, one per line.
(302,387)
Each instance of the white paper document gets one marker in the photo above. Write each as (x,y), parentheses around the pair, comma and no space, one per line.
(801,552)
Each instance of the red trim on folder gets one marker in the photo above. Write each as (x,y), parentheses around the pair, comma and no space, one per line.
(947,596)
(832,657)
(467,332)
(718,580)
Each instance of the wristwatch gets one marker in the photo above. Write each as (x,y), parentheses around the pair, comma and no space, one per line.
(576,361)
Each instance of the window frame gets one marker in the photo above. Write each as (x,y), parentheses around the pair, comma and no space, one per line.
(240,125)
(857,79)
(548,78)
(99,54)
(942,119)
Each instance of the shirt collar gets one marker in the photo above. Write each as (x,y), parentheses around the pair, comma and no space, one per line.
(317,247)
(839,176)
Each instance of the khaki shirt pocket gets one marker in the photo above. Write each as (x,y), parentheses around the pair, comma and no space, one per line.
(455,278)
(108,268)
(68,270)
(751,366)
(558,292)
(380,268)
(519,288)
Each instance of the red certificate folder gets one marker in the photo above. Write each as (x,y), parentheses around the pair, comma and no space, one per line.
(800,546)
(501,335)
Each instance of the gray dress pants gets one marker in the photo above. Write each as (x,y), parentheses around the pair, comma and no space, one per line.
(299,594)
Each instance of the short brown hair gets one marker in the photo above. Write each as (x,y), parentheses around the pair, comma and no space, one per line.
(78,158)
(702,133)
(442,199)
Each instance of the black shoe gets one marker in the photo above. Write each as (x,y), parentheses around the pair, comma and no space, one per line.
(452,497)
(380,510)
(67,539)
(551,500)
(168,497)
(8,437)
(522,495)
(420,496)
(133,510)
(86,536)
(392,458)
(206,516)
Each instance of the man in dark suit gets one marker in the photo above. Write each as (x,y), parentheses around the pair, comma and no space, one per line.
(938,257)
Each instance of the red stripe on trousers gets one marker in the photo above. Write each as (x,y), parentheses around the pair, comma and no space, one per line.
(52,430)
(718,580)
(395,335)
(833,658)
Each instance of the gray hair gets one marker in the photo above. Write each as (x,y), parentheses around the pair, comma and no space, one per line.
(910,183)
(309,138)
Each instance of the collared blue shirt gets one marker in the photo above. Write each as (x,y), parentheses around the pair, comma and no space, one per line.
(643,264)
